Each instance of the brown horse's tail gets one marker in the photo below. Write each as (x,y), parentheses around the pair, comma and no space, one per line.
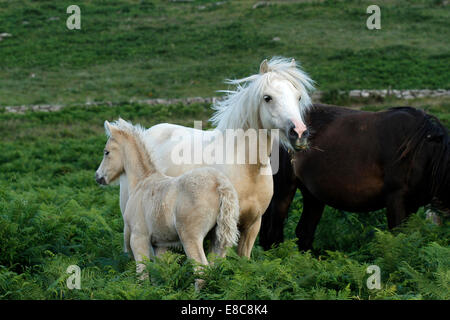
(227,233)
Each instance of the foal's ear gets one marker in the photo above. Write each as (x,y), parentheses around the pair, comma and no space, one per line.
(107,128)
(264,67)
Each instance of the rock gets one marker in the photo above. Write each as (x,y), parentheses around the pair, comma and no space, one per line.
(440,93)
(4,35)
(419,95)
(406,94)
(354,93)
(433,217)
(365,94)
(397,93)
(55,108)
(260,4)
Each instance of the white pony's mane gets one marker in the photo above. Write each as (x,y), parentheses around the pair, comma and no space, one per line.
(239,109)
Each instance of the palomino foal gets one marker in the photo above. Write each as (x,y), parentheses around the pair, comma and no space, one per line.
(165,211)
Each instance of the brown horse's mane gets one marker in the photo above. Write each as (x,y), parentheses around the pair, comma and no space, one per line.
(320,115)
(323,114)
(428,130)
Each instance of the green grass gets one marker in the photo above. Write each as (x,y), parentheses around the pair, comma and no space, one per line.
(140,49)
(53,214)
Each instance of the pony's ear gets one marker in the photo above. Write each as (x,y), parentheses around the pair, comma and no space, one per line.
(293,63)
(107,128)
(264,67)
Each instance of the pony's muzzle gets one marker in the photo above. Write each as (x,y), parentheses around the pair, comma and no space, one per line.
(302,142)
(100,180)
(297,142)
(292,134)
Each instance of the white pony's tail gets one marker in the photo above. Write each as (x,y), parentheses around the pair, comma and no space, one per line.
(227,233)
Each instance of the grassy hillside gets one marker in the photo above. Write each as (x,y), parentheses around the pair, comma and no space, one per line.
(140,48)
(53,214)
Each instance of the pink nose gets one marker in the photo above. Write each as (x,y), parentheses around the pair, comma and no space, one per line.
(299,126)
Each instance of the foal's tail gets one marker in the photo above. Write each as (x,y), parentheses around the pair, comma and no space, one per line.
(227,233)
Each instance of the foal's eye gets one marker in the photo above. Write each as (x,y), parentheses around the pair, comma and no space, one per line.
(267,98)
(106,152)
(299,98)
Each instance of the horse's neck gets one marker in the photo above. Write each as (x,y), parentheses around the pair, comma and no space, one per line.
(137,165)
(263,147)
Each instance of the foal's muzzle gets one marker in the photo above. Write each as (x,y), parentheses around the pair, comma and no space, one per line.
(100,180)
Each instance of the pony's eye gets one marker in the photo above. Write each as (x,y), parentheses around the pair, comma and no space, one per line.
(299,98)
(267,98)
(106,152)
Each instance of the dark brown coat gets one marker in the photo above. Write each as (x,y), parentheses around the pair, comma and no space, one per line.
(361,161)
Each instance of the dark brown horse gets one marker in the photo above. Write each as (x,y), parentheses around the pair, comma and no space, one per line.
(360,161)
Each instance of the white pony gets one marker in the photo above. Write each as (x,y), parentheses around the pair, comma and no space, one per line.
(165,211)
(275,98)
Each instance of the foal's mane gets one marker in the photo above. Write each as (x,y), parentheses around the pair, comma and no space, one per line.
(239,109)
(136,133)
(429,129)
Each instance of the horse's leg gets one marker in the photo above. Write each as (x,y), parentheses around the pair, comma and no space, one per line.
(284,188)
(395,209)
(194,250)
(306,227)
(276,214)
(248,237)
(140,245)
(126,238)
(159,251)
(193,246)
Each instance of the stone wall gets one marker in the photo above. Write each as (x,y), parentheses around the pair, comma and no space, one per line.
(401,94)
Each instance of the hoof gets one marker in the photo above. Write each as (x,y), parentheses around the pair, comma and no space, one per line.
(199,284)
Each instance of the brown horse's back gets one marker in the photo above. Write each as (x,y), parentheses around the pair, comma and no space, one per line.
(352,153)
